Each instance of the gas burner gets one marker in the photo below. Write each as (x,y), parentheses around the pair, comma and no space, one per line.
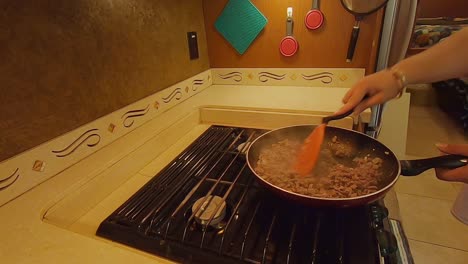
(243,147)
(213,207)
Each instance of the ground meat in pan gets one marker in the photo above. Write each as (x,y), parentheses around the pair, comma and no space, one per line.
(329,179)
(339,149)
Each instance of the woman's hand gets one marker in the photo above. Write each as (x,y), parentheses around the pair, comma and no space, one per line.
(380,87)
(458,174)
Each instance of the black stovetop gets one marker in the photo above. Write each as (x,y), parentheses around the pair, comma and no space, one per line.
(257,226)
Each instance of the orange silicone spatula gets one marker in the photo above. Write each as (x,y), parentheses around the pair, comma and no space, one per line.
(309,153)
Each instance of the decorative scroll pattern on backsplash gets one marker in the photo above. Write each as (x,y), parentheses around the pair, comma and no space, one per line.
(196,83)
(266,76)
(324,77)
(177,94)
(128,117)
(235,76)
(65,150)
(90,135)
(7,182)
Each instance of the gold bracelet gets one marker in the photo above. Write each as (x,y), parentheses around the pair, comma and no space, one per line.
(400,77)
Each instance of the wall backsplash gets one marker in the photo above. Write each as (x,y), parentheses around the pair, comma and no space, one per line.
(66,63)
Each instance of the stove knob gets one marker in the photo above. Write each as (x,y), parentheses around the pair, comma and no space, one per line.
(378,211)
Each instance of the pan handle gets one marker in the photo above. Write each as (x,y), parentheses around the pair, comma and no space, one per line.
(315,5)
(289,26)
(353,41)
(289,21)
(416,167)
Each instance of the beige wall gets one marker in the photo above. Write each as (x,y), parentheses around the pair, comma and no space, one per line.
(66,63)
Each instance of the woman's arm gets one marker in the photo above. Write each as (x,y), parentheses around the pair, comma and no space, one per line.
(445,60)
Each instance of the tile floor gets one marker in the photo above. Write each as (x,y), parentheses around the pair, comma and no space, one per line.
(435,236)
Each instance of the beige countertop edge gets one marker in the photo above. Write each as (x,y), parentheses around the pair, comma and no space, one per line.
(31,240)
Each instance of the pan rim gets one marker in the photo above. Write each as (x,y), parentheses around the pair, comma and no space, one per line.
(376,193)
(363,14)
(296,46)
(311,12)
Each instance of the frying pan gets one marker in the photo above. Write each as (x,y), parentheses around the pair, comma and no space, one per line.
(289,45)
(314,18)
(361,145)
(360,9)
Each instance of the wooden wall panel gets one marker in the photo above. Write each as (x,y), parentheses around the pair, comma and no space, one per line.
(325,47)
(66,63)
(438,8)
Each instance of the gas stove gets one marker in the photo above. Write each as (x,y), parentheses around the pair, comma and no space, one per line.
(206,207)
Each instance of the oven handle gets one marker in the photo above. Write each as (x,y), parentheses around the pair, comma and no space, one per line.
(387,241)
